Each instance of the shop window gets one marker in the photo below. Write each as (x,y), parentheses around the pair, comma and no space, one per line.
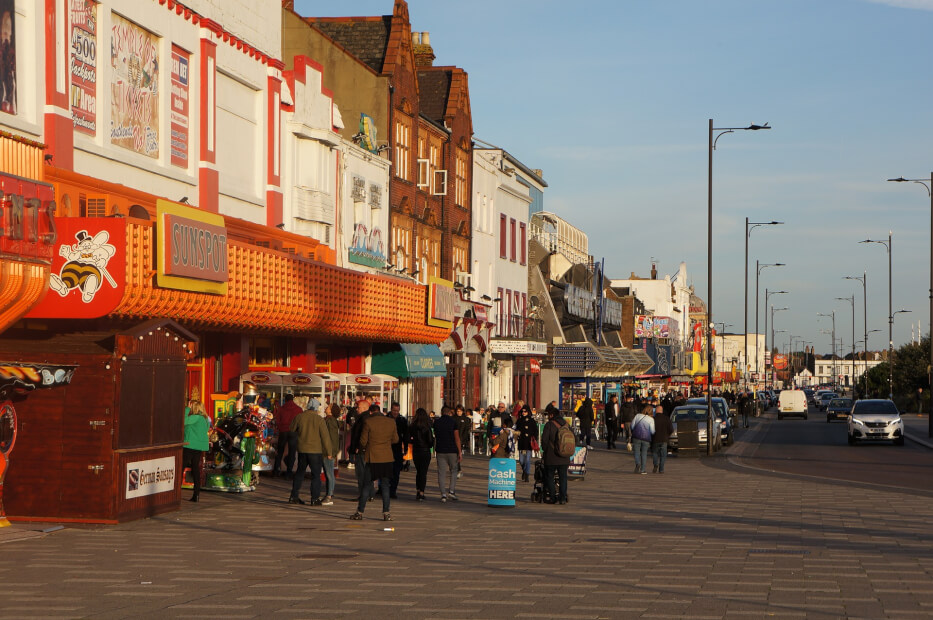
(268,351)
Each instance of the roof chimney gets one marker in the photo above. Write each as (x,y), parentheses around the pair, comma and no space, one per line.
(424,53)
(654,271)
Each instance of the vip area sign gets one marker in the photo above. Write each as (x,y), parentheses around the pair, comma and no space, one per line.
(502,482)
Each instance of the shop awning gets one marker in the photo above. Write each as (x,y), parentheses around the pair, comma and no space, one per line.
(410,360)
(600,361)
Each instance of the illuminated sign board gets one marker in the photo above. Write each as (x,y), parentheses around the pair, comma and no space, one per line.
(441,301)
(192,249)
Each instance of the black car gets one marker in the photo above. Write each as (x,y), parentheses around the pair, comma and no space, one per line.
(724,417)
(838,409)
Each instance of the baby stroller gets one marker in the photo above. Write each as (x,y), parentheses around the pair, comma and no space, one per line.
(539,492)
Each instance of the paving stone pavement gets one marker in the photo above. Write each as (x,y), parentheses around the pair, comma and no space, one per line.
(708,539)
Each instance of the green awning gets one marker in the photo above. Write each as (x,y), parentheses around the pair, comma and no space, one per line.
(410,360)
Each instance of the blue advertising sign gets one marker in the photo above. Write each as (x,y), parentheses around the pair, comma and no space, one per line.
(502,482)
(577,463)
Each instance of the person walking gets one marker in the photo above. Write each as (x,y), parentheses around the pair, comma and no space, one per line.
(587,417)
(448,453)
(663,429)
(504,444)
(465,428)
(313,444)
(330,460)
(421,438)
(364,410)
(626,416)
(398,449)
(642,431)
(196,442)
(284,416)
(527,428)
(554,463)
(611,416)
(376,440)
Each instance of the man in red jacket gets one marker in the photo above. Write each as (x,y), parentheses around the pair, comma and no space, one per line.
(284,416)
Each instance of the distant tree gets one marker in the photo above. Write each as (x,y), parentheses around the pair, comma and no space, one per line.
(911,372)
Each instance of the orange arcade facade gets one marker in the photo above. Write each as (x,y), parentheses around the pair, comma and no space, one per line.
(157,263)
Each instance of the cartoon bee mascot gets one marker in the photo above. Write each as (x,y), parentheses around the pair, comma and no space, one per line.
(86,265)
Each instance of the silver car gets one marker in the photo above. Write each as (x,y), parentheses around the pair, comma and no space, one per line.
(875,420)
(697,413)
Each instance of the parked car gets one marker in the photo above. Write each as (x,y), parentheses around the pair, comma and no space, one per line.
(792,402)
(838,409)
(723,418)
(825,399)
(875,420)
(698,413)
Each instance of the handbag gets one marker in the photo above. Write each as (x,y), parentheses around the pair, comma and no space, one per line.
(534,444)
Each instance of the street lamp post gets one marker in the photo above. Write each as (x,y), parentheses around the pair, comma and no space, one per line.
(767,293)
(758,269)
(929,189)
(768,351)
(713,139)
(863,280)
(833,317)
(888,246)
(852,301)
(749,226)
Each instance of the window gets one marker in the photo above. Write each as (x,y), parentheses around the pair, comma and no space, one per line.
(502,236)
(402,148)
(523,239)
(500,324)
(512,237)
(461,180)
(508,309)
(268,351)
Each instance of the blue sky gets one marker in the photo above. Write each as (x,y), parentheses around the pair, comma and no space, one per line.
(612,101)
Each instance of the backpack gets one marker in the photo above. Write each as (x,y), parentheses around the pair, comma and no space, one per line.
(566,443)
(640,430)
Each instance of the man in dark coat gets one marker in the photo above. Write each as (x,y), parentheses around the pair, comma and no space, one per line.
(587,417)
(611,416)
(553,462)
(625,419)
(400,448)
(663,429)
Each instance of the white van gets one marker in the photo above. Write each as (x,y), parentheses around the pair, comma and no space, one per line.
(792,402)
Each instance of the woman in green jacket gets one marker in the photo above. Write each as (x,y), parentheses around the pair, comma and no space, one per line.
(196,443)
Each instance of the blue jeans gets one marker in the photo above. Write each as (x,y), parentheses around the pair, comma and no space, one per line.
(316,461)
(329,474)
(549,471)
(384,484)
(659,455)
(524,458)
(640,450)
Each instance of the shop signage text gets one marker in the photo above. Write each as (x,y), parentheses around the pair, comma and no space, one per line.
(27,222)
(150,477)
(517,347)
(501,482)
(192,249)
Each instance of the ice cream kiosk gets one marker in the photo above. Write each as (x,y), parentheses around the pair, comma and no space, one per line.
(378,389)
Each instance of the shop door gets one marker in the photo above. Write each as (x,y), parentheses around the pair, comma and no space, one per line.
(453,384)
(473,385)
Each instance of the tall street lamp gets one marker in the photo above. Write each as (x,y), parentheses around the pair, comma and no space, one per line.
(767,294)
(851,300)
(888,245)
(929,189)
(758,270)
(863,279)
(713,139)
(833,317)
(749,227)
(891,358)
(767,350)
